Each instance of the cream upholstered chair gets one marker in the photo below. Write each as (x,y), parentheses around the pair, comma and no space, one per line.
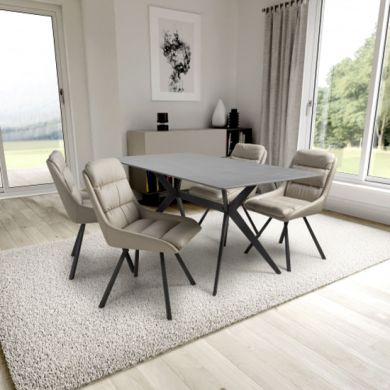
(76,202)
(241,151)
(127,225)
(299,198)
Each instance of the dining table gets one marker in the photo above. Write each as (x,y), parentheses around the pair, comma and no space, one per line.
(222,174)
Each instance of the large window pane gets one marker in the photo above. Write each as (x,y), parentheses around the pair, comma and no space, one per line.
(380,157)
(344,74)
(30,114)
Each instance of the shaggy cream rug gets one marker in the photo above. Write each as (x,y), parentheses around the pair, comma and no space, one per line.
(55,337)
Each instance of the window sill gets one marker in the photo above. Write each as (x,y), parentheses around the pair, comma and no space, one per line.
(379,184)
(360,199)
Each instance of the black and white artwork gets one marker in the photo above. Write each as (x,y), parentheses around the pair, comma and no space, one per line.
(175,54)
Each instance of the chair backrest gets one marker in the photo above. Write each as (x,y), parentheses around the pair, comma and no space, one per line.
(249,152)
(66,186)
(323,163)
(113,199)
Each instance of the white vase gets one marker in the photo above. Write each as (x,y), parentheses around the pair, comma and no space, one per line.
(219,118)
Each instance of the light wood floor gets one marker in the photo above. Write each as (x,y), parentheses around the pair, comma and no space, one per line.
(335,338)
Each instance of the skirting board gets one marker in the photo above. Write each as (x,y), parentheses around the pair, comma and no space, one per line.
(365,202)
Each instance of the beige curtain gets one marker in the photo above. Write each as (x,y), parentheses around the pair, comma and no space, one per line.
(284,52)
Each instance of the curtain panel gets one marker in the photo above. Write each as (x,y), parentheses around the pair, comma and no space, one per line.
(284,53)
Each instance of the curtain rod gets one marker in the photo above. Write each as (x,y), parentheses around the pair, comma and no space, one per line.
(284,4)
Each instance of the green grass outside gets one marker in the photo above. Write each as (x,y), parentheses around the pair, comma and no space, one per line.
(349,162)
(29,154)
(33,154)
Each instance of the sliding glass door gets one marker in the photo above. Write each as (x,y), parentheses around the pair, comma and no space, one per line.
(352,92)
(345,65)
(30,115)
(379,166)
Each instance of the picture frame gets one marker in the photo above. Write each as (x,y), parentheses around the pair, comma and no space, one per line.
(175,51)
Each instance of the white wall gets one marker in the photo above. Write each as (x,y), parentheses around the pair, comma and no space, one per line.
(118,66)
(102,70)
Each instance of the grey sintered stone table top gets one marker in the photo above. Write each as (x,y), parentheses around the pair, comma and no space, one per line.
(216,172)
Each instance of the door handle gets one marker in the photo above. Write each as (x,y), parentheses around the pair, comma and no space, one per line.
(62,96)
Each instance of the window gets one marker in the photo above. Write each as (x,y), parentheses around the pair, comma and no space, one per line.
(380,152)
(352,91)
(31,118)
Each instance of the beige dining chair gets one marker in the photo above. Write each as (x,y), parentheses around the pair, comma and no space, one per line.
(298,198)
(127,225)
(241,151)
(76,202)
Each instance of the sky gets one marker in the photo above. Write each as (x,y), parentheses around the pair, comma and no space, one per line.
(28,77)
(346,25)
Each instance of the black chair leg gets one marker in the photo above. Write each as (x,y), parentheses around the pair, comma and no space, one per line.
(136,263)
(76,241)
(287,246)
(165,286)
(185,269)
(203,216)
(112,280)
(77,250)
(281,237)
(321,252)
(128,259)
(259,234)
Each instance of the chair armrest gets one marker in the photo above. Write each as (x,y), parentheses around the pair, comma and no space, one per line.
(121,238)
(311,209)
(278,192)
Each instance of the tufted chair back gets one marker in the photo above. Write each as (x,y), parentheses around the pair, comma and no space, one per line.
(312,189)
(112,195)
(249,152)
(66,186)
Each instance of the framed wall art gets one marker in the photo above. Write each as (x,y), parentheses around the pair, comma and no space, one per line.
(175,54)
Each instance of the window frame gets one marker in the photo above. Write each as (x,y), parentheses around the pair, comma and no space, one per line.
(310,89)
(53,11)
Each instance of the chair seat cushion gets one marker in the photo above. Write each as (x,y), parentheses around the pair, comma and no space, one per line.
(176,232)
(213,194)
(280,207)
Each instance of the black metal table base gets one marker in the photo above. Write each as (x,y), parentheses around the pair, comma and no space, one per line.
(230,211)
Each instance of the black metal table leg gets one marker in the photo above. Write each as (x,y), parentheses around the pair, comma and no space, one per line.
(203,216)
(226,234)
(220,251)
(250,219)
(179,201)
(165,286)
(287,246)
(166,203)
(259,234)
(77,250)
(237,219)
